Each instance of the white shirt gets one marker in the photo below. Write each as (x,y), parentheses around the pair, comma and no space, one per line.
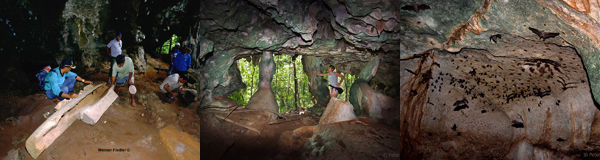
(115,47)
(173,81)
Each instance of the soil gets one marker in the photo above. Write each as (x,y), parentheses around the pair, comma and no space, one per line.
(122,126)
(222,139)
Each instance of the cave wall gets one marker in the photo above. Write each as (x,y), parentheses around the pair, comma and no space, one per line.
(347,37)
(475,21)
(432,110)
(342,33)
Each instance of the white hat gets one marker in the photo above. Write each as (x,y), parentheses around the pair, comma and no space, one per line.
(177,44)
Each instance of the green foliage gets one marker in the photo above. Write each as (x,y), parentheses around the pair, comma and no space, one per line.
(249,75)
(282,84)
(238,98)
(348,80)
(169,44)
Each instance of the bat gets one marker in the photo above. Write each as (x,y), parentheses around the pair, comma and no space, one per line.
(495,37)
(518,123)
(461,104)
(416,7)
(543,35)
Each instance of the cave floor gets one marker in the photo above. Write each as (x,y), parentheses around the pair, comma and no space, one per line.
(222,139)
(134,129)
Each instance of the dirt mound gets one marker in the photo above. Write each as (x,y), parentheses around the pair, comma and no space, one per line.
(245,133)
(363,139)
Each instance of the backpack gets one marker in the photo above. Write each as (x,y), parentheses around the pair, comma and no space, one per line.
(41,77)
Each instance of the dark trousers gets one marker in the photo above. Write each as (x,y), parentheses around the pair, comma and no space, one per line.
(181,73)
(112,60)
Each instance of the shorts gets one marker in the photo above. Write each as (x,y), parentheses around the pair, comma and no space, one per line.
(335,89)
(124,80)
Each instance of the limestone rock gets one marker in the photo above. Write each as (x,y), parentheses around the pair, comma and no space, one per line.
(476,21)
(264,99)
(337,110)
(180,145)
(137,54)
(317,85)
(214,81)
(376,105)
(469,98)
(367,101)
(14,154)
(223,103)
(82,27)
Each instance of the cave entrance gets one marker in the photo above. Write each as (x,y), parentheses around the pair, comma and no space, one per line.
(168,45)
(283,84)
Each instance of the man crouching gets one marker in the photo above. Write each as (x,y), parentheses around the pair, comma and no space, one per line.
(60,81)
(123,73)
(171,84)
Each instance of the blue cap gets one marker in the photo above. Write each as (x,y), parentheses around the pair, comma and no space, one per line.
(67,62)
(119,34)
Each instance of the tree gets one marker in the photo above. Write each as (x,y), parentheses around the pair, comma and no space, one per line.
(295,81)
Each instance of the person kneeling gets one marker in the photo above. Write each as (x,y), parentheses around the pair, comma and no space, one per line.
(173,83)
(60,81)
(123,73)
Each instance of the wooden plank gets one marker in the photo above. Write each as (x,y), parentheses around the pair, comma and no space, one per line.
(92,113)
(181,146)
(37,143)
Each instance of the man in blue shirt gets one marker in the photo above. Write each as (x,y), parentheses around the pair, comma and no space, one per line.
(60,80)
(174,54)
(183,62)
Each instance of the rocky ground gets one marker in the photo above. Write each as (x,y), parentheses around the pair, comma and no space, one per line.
(135,129)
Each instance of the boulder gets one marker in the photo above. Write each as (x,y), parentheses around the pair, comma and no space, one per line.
(337,111)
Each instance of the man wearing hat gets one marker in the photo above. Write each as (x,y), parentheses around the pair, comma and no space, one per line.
(122,73)
(114,49)
(60,80)
(173,54)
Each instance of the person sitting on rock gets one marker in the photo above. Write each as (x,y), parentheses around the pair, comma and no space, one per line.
(174,54)
(171,84)
(123,73)
(60,81)
(332,77)
(183,62)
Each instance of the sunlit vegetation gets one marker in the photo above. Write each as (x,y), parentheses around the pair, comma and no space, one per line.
(289,86)
(168,45)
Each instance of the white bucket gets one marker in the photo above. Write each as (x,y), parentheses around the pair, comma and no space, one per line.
(132,89)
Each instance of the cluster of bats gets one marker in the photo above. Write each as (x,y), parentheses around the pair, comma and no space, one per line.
(543,35)
(461,104)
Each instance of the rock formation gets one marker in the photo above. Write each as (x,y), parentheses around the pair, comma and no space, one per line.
(367,101)
(469,98)
(337,111)
(264,99)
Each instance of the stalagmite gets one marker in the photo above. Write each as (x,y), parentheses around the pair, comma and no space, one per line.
(264,99)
